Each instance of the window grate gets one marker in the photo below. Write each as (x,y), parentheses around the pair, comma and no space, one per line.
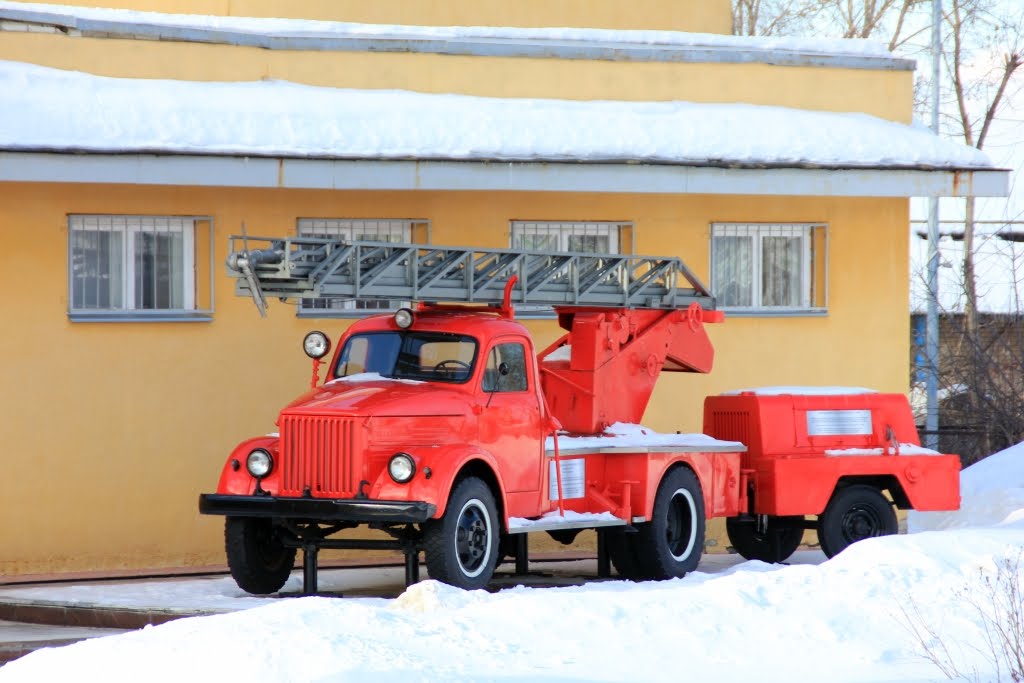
(587,237)
(375,229)
(135,265)
(769,267)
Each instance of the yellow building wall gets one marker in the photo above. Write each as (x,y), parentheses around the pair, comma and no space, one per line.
(113,429)
(699,16)
(887,94)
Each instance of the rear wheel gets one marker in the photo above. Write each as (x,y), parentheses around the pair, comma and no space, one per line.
(853,514)
(670,545)
(779,538)
(461,548)
(259,561)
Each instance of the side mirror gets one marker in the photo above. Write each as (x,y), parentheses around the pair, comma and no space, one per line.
(503,369)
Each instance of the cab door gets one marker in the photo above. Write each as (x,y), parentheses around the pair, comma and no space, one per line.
(510,419)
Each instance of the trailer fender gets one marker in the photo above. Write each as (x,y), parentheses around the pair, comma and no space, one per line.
(437,470)
(804,486)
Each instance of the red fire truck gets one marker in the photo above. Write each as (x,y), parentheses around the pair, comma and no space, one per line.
(442,426)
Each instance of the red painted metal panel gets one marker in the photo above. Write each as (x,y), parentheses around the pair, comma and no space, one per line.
(617,355)
(800,446)
(318,454)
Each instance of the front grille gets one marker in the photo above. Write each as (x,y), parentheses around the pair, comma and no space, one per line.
(318,455)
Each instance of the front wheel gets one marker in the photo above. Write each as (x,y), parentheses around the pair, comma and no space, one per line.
(775,542)
(855,513)
(670,545)
(461,548)
(257,557)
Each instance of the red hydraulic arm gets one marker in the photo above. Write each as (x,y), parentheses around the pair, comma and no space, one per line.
(615,358)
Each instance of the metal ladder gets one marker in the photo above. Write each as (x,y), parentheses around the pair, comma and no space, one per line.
(292,268)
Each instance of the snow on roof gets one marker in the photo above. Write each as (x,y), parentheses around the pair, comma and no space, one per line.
(68,15)
(53,110)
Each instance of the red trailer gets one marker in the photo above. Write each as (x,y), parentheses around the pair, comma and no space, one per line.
(442,425)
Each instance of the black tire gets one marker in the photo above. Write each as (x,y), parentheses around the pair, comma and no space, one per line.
(461,548)
(670,545)
(853,514)
(780,538)
(622,553)
(259,561)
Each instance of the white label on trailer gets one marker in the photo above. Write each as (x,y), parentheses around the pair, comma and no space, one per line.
(573,478)
(831,422)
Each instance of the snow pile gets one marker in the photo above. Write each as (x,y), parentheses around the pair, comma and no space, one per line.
(125,20)
(53,110)
(849,619)
(624,435)
(991,492)
(839,622)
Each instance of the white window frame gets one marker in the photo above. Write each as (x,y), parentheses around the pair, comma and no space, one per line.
(810,265)
(383,230)
(130,227)
(564,230)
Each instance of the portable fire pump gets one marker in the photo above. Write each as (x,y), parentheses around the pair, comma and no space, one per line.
(442,426)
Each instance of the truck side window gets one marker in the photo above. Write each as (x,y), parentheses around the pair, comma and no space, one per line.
(513,356)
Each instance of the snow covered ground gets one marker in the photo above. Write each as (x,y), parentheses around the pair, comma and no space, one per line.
(837,620)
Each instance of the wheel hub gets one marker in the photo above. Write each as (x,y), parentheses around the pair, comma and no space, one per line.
(678,527)
(860,523)
(471,539)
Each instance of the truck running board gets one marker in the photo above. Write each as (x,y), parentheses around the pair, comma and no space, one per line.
(525,526)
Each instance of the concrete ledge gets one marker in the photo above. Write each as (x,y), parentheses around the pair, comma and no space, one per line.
(59,614)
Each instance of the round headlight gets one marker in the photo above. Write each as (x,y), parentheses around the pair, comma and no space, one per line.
(401,467)
(316,345)
(403,318)
(259,463)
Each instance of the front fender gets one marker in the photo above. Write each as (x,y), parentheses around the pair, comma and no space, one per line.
(444,464)
(236,480)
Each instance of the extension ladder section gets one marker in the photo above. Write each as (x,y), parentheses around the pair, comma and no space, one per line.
(294,268)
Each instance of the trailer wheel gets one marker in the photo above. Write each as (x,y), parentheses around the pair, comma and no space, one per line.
(670,545)
(461,548)
(259,561)
(780,538)
(853,514)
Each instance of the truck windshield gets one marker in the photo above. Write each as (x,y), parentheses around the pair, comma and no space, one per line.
(421,356)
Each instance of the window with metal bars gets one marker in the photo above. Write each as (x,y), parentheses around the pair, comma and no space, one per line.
(377,230)
(590,237)
(587,237)
(770,267)
(138,267)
